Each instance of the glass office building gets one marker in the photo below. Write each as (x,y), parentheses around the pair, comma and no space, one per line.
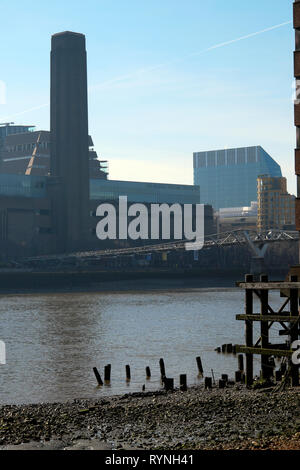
(110,190)
(228,178)
(104,190)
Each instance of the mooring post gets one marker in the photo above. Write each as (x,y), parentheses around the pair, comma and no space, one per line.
(183,382)
(238,376)
(169,384)
(241,362)
(208,382)
(107,373)
(264,328)
(148,372)
(98,376)
(128,374)
(249,331)
(294,329)
(162,368)
(199,364)
(224,377)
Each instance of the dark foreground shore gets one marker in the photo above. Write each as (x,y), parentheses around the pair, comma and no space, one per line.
(234,418)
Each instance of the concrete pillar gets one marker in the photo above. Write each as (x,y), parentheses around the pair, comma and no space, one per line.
(69,166)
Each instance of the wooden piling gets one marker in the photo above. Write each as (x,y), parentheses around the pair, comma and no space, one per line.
(229,348)
(98,376)
(199,364)
(224,377)
(162,368)
(107,373)
(183,382)
(238,376)
(128,374)
(249,331)
(241,362)
(169,384)
(222,383)
(224,348)
(294,330)
(148,372)
(208,383)
(264,328)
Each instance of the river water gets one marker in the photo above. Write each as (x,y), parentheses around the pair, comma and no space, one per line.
(54,340)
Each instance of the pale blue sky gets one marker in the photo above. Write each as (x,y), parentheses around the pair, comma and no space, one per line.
(158,90)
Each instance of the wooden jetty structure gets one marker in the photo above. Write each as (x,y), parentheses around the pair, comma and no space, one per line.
(287,316)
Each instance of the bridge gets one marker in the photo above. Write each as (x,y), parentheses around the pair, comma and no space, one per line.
(257,242)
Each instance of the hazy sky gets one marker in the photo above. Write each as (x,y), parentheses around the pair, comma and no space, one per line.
(159,90)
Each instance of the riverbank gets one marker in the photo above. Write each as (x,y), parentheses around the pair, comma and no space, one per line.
(30,282)
(233,418)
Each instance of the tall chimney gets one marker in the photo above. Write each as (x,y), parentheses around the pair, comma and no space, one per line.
(69,140)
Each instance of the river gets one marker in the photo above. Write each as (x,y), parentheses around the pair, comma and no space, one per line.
(53,341)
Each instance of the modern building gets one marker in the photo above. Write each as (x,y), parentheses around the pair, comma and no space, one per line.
(276,207)
(51,183)
(228,178)
(8,128)
(237,218)
(29,152)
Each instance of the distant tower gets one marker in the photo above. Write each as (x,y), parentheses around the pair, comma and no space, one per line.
(297,107)
(69,167)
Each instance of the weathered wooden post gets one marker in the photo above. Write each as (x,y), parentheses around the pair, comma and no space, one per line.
(98,376)
(224,377)
(107,373)
(294,329)
(264,328)
(183,382)
(222,383)
(208,383)
(241,362)
(238,376)
(148,372)
(249,331)
(169,384)
(128,374)
(199,364)
(162,368)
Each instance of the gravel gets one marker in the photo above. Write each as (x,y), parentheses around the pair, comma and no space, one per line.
(232,418)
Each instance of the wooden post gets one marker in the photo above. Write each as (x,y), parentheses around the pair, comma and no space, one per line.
(98,376)
(107,373)
(241,362)
(208,382)
(169,384)
(224,348)
(199,364)
(264,328)
(229,348)
(222,383)
(249,331)
(294,330)
(183,382)
(162,368)
(224,377)
(148,372)
(238,376)
(128,375)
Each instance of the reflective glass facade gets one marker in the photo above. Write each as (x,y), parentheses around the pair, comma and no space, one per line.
(23,185)
(110,190)
(104,190)
(228,178)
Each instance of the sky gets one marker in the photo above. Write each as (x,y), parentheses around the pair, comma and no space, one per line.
(166,78)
